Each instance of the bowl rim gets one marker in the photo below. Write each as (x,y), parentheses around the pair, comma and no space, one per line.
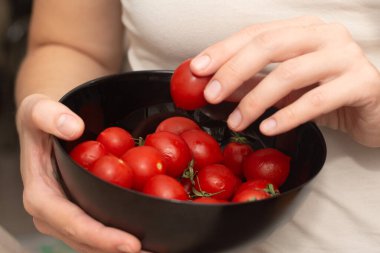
(59,143)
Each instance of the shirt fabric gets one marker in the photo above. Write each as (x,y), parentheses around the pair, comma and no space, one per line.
(340,209)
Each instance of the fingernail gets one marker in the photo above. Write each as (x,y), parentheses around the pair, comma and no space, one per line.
(234,119)
(213,89)
(67,125)
(268,125)
(201,62)
(125,248)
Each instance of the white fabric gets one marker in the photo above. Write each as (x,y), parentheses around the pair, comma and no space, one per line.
(340,213)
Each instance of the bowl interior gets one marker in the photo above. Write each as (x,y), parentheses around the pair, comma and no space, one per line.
(138,101)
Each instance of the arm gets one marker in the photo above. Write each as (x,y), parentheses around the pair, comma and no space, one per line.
(70,42)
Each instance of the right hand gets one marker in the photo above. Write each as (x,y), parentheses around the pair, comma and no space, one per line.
(38,118)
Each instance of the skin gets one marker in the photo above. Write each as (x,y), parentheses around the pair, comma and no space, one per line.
(314,60)
(66,49)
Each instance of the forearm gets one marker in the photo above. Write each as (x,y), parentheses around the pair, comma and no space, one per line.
(55,69)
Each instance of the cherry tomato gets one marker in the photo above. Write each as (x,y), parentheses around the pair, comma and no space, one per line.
(116,140)
(186,89)
(174,149)
(204,148)
(145,162)
(217,180)
(259,184)
(177,125)
(209,200)
(166,187)
(235,152)
(267,163)
(250,195)
(87,152)
(113,170)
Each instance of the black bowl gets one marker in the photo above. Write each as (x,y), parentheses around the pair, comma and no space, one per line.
(138,101)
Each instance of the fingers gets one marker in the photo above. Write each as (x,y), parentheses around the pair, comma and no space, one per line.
(318,101)
(286,78)
(70,224)
(209,60)
(41,113)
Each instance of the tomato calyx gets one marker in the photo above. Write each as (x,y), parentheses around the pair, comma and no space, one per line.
(189,173)
(238,138)
(271,190)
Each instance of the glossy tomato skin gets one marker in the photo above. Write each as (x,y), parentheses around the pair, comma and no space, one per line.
(186,89)
(145,162)
(113,170)
(174,149)
(217,180)
(166,187)
(234,154)
(204,148)
(257,184)
(116,140)
(267,163)
(177,125)
(87,152)
(250,195)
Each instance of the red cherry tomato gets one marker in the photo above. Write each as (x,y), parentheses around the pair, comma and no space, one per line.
(116,140)
(250,195)
(235,152)
(174,149)
(145,162)
(177,125)
(113,170)
(267,163)
(186,89)
(204,148)
(87,152)
(258,184)
(166,187)
(209,200)
(217,180)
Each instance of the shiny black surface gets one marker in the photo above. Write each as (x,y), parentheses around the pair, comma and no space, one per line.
(138,101)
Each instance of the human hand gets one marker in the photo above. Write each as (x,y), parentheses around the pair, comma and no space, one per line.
(53,214)
(321,74)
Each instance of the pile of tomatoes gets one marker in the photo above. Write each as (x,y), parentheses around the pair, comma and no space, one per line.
(182,161)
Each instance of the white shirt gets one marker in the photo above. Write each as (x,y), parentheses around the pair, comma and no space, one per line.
(340,210)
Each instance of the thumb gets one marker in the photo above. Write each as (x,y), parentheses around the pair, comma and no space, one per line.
(40,113)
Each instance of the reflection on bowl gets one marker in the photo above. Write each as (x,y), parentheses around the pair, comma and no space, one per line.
(138,101)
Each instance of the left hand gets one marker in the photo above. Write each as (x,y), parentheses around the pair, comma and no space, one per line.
(322,74)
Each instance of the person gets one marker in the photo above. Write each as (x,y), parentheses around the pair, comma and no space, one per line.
(319,60)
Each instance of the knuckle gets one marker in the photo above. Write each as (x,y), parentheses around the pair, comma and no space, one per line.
(290,114)
(266,41)
(40,227)
(317,99)
(29,203)
(340,30)
(233,73)
(288,71)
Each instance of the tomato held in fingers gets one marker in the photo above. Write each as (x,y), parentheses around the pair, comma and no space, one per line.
(174,150)
(177,125)
(204,148)
(186,89)
(113,170)
(166,187)
(267,163)
(116,140)
(145,162)
(250,195)
(234,153)
(216,180)
(87,152)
